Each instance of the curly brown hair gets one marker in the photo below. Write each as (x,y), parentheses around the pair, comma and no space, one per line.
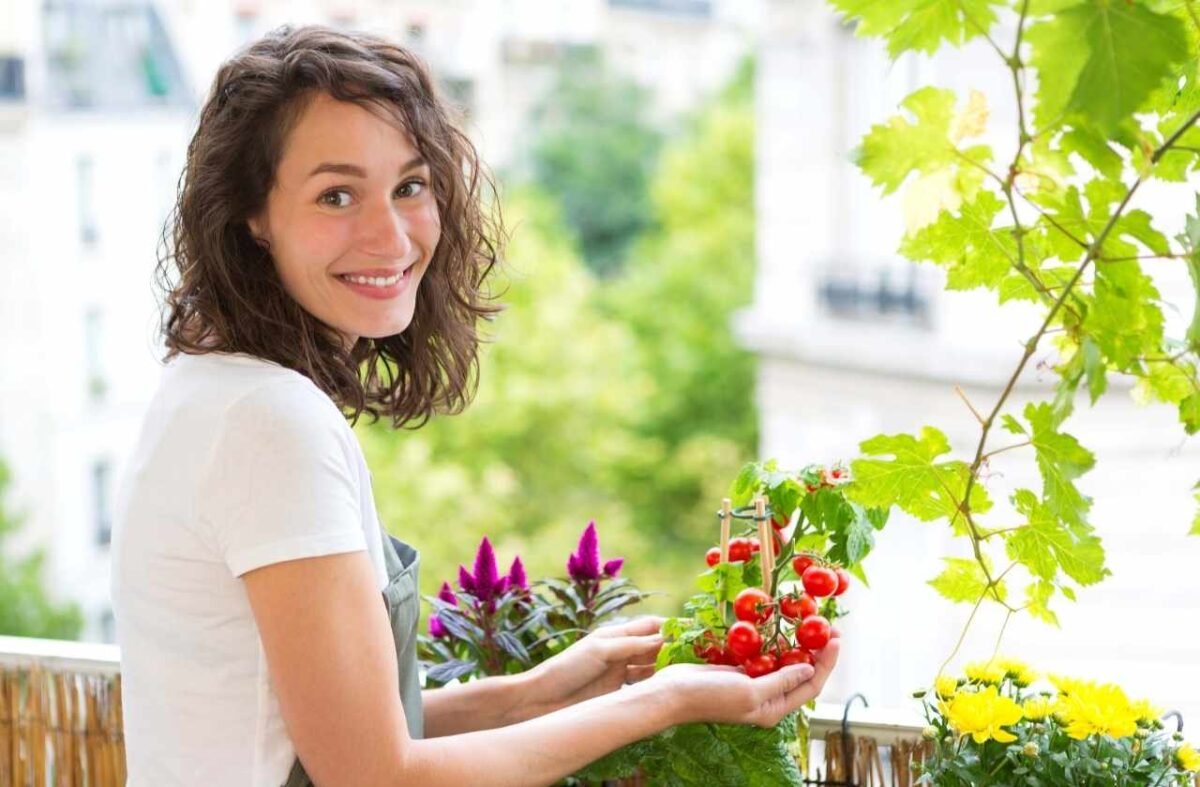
(221,290)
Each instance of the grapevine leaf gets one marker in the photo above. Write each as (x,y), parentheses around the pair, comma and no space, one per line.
(974,254)
(1037,596)
(1189,413)
(1127,51)
(963,581)
(1061,459)
(1047,544)
(889,152)
(920,25)
(1125,319)
(1195,531)
(913,479)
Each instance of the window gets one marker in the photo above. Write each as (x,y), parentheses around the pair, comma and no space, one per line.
(101,500)
(85,182)
(885,292)
(108,626)
(93,348)
(12,78)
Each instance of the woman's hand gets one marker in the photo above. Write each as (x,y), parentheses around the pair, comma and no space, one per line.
(702,692)
(602,661)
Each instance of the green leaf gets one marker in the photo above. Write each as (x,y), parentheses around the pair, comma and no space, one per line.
(1037,596)
(920,25)
(1127,51)
(974,254)
(1061,459)
(913,479)
(1124,318)
(724,581)
(1047,544)
(854,541)
(963,581)
(1195,531)
(744,485)
(1093,148)
(889,152)
(1189,413)
(1095,369)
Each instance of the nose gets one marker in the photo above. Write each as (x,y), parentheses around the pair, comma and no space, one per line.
(384,232)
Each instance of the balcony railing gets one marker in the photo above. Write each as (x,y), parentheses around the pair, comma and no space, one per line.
(60,724)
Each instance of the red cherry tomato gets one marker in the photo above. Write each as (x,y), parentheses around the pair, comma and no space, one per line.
(843,577)
(760,665)
(739,550)
(756,547)
(800,564)
(752,605)
(743,640)
(819,581)
(797,607)
(779,521)
(795,656)
(813,633)
(713,556)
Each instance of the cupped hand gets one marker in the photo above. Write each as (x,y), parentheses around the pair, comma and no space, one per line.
(601,662)
(723,694)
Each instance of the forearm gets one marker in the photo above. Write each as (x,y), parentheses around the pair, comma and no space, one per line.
(542,750)
(483,704)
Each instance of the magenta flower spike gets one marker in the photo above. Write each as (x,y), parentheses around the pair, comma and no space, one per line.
(613,567)
(487,575)
(436,628)
(584,563)
(466,582)
(516,575)
(447,594)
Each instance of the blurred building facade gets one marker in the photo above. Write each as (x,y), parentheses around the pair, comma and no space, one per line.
(854,341)
(98,99)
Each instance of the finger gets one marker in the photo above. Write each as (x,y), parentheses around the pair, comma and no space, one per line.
(638,673)
(779,684)
(629,648)
(649,624)
(826,661)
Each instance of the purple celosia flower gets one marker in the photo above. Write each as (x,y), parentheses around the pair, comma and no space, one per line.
(447,594)
(584,563)
(437,629)
(516,575)
(485,584)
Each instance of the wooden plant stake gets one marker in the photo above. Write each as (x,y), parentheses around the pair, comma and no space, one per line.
(726,518)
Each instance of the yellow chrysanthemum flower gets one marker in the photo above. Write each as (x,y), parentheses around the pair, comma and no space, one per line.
(945,686)
(1188,758)
(1018,671)
(983,715)
(1145,712)
(986,672)
(1064,684)
(1037,708)
(1097,709)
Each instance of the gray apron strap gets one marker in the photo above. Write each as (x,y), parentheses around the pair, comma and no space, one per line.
(403,604)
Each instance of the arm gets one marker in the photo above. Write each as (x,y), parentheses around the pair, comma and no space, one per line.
(479,705)
(333,667)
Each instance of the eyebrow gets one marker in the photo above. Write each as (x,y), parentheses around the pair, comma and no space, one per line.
(353,170)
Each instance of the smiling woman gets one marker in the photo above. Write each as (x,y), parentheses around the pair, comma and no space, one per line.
(328,258)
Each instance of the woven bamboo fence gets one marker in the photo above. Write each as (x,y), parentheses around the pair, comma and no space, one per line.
(60,729)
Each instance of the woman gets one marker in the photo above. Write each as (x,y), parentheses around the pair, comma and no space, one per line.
(328,259)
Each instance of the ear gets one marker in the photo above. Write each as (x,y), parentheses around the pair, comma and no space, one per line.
(259,231)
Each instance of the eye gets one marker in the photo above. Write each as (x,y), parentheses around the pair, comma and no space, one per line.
(411,188)
(332,198)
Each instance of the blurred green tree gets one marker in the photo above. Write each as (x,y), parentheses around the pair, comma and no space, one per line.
(25,609)
(593,149)
(624,399)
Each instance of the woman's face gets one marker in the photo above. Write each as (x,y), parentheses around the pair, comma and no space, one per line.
(351,220)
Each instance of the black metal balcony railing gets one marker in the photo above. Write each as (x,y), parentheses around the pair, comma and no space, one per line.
(883,292)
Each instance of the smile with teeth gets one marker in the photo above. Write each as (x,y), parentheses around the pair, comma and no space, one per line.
(374,281)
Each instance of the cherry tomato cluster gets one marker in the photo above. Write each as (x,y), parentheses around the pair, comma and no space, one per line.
(758,642)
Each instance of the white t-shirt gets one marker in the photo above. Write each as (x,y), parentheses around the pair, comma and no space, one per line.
(240,463)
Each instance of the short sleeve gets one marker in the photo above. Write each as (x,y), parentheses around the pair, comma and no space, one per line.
(281,482)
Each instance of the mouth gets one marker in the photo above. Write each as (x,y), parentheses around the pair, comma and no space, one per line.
(380,284)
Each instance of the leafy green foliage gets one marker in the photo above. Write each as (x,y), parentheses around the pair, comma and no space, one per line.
(920,25)
(25,608)
(1109,96)
(593,150)
(696,755)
